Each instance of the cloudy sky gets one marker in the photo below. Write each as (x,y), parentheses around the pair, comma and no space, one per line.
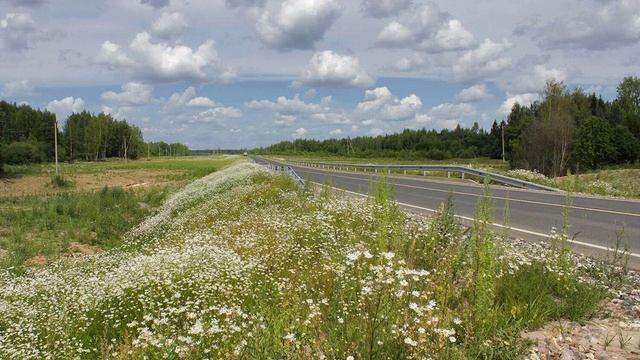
(245,73)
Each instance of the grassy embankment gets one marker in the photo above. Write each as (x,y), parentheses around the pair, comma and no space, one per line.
(613,181)
(97,203)
(243,264)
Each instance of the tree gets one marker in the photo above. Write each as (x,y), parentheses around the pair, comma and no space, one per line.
(594,143)
(627,105)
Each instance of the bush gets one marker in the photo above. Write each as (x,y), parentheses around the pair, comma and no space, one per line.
(19,153)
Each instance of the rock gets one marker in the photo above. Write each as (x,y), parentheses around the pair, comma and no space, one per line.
(568,355)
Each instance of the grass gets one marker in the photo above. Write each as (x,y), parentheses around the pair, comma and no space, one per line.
(244,264)
(186,168)
(38,228)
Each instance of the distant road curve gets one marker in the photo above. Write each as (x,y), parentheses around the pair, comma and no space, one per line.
(532,214)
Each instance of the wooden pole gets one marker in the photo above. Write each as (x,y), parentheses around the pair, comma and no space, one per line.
(55,140)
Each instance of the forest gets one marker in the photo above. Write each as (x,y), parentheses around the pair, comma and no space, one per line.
(27,136)
(566,131)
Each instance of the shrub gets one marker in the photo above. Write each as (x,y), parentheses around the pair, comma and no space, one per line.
(18,153)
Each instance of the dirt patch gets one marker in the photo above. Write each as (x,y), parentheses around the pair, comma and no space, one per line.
(27,185)
(36,261)
(83,249)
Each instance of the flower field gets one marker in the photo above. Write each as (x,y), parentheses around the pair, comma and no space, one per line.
(241,264)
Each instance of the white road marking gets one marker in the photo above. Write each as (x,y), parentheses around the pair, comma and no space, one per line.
(494,197)
(529,232)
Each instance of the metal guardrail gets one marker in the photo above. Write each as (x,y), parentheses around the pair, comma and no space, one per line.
(496,178)
(277,167)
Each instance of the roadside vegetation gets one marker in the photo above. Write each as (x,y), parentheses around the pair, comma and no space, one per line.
(88,208)
(244,264)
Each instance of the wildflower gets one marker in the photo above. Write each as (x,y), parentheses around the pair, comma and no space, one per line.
(290,337)
(410,341)
(452,339)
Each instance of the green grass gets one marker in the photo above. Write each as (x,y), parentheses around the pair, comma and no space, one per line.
(46,225)
(190,167)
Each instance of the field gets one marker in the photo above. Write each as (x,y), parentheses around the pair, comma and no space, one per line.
(619,181)
(99,201)
(243,264)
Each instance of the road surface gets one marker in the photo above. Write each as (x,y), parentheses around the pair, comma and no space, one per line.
(532,214)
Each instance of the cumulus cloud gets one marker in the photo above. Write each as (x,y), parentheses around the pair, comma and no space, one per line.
(17,88)
(327,68)
(448,111)
(299,133)
(427,29)
(335,132)
(534,81)
(163,62)
(170,25)
(286,106)
(65,107)
(473,93)
(284,120)
(486,60)
(615,24)
(380,104)
(217,114)
(133,94)
(187,106)
(244,3)
(512,99)
(156,4)
(384,8)
(297,24)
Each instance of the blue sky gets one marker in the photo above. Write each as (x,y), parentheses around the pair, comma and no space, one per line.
(246,73)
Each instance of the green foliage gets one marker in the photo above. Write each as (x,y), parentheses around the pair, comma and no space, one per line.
(20,153)
(594,146)
(61,181)
(46,225)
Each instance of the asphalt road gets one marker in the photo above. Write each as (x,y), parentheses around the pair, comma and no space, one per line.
(532,214)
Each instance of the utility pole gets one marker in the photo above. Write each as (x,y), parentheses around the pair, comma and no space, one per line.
(148,153)
(55,140)
(503,157)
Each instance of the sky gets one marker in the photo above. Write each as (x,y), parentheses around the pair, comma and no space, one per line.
(246,73)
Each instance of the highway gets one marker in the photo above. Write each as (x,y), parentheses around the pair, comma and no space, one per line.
(532,214)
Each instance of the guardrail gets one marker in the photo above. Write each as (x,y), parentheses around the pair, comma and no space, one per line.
(277,167)
(496,178)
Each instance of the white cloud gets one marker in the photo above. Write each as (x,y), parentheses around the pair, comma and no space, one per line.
(217,114)
(448,111)
(485,61)
(186,106)
(381,105)
(473,94)
(201,101)
(534,81)
(284,120)
(615,24)
(512,99)
(299,133)
(297,24)
(133,94)
(156,4)
(112,55)
(427,29)
(376,132)
(244,3)
(415,62)
(284,105)
(335,132)
(65,107)
(384,8)
(170,25)
(327,68)
(17,88)
(163,62)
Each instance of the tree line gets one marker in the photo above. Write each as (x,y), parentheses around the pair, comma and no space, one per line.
(564,131)
(27,135)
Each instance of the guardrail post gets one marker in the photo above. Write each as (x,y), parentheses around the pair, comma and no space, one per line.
(462,176)
(424,173)
(448,174)
(405,172)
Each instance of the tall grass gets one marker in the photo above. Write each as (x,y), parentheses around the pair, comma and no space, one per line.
(244,264)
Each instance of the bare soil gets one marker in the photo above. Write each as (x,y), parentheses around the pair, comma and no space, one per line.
(29,185)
